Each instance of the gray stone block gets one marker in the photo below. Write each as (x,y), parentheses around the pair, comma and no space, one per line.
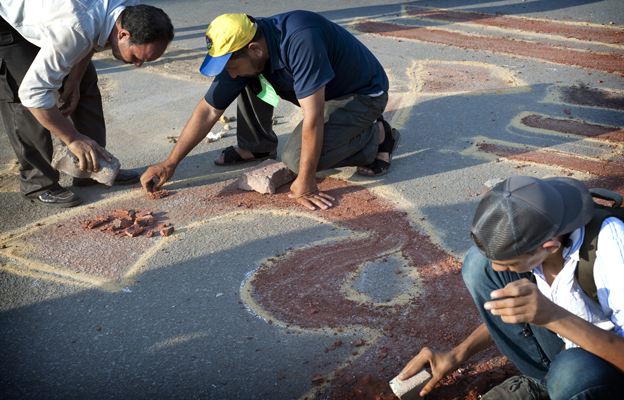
(409,389)
(266,177)
(65,161)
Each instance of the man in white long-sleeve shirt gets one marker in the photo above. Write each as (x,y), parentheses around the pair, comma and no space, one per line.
(528,234)
(47,45)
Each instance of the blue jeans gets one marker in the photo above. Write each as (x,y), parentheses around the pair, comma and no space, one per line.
(536,351)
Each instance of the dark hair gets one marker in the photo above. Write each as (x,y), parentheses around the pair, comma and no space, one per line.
(257,37)
(146,24)
(482,247)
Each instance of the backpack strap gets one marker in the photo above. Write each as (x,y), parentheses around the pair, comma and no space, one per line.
(585,269)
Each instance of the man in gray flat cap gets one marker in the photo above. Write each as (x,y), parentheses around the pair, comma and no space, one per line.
(528,234)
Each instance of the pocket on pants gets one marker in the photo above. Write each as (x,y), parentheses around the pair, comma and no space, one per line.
(6,92)
(6,37)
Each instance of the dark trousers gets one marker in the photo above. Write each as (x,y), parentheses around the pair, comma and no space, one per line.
(350,135)
(31,142)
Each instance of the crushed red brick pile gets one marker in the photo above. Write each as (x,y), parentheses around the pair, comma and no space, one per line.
(159,194)
(131,223)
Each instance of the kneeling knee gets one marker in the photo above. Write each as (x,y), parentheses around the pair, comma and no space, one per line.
(474,267)
(290,160)
(578,374)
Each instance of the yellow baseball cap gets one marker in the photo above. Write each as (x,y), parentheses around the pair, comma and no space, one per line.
(226,34)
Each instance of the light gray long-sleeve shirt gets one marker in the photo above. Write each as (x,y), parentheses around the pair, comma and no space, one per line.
(66,31)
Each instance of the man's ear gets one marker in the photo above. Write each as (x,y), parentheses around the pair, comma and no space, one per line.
(255,48)
(552,246)
(123,35)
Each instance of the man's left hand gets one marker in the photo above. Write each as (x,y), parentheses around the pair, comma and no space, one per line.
(70,97)
(306,193)
(523,302)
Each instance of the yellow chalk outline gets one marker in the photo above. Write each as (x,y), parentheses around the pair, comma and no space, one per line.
(554,95)
(408,292)
(507,30)
(517,85)
(517,123)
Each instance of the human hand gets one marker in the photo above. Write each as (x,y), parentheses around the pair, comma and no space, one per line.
(442,364)
(306,193)
(523,302)
(87,150)
(161,172)
(70,97)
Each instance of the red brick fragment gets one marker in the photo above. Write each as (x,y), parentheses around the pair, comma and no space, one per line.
(149,233)
(314,311)
(122,223)
(107,227)
(317,379)
(145,221)
(338,342)
(159,194)
(134,230)
(97,221)
(358,342)
(266,177)
(167,231)
(123,213)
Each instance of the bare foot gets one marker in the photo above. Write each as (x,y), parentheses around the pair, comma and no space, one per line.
(245,154)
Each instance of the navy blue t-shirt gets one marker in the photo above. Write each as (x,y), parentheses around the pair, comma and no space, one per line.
(307,52)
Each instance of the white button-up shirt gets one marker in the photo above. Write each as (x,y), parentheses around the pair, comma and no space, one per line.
(65,31)
(608,275)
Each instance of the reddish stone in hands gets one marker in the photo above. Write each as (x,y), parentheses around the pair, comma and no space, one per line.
(159,194)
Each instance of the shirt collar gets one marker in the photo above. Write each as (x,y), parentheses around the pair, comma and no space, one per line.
(101,42)
(570,253)
(273,40)
(576,238)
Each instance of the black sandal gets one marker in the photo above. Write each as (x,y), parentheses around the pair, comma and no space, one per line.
(389,145)
(231,157)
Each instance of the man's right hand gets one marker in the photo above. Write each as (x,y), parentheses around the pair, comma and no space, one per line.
(87,150)
(161,172)
(441,363)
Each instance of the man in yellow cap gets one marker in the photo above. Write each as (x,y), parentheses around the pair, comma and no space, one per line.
(311,62)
